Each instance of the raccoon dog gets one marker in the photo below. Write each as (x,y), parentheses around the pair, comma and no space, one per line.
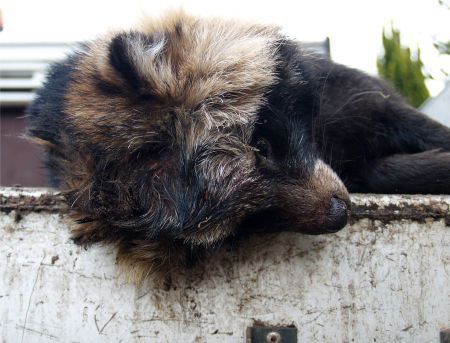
(168,139)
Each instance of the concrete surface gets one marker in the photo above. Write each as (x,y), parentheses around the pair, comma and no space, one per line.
(381,279)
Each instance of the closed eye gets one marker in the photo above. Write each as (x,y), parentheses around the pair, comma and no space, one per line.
(264,147)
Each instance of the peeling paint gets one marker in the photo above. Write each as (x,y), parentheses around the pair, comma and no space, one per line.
(385,208)
(384,278)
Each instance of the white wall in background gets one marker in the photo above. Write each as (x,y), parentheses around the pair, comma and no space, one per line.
(354,26)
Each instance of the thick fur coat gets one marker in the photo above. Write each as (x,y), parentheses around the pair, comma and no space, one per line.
(168,139)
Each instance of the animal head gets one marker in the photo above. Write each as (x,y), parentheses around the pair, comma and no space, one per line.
(175,136)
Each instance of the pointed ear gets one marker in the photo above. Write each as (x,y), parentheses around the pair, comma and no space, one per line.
(121,59)
(125,50)
(142,62)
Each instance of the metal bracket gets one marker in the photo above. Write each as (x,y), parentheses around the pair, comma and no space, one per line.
(445,336)
(272,334)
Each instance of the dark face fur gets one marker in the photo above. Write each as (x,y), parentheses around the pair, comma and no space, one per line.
(179,135)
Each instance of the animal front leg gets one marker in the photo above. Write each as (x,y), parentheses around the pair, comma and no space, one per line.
(425,172)
(375,141)
(411,130)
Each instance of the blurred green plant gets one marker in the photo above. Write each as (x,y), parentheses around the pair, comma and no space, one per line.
(443,47)
(398,66)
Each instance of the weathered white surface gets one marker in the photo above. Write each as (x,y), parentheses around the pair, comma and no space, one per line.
(371,282)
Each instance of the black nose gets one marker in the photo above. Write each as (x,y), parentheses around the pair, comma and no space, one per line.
(337,215)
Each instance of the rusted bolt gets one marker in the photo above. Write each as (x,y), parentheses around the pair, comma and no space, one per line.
(273,337)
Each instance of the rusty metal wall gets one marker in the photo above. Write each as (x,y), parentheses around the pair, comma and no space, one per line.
(381,279)
(21,161)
